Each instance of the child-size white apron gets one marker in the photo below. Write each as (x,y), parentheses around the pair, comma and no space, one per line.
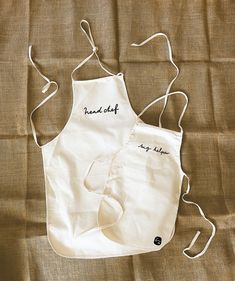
(140,187)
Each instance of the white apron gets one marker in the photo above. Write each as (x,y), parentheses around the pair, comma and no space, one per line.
(99,124)
(140,187)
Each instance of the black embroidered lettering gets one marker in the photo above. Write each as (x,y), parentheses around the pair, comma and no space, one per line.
(146,148)
(100,110)
(160,150)
(92,111)
(116,108)
(109,109)
(155,149)
(85,108)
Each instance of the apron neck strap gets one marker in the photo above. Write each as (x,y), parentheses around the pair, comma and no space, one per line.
(163,97)
(94,49)
(171,60)
(88,34)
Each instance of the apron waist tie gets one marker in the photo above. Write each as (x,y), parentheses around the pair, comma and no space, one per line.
(198,232)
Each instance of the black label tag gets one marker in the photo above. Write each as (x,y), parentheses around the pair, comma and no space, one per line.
(157,240)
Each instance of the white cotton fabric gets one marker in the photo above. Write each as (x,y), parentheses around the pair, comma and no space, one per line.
(105,195)
(141,189)
(72,210)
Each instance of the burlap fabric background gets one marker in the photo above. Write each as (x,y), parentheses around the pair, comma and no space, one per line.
(202,37)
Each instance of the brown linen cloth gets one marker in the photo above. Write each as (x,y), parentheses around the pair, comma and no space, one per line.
(202,37)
